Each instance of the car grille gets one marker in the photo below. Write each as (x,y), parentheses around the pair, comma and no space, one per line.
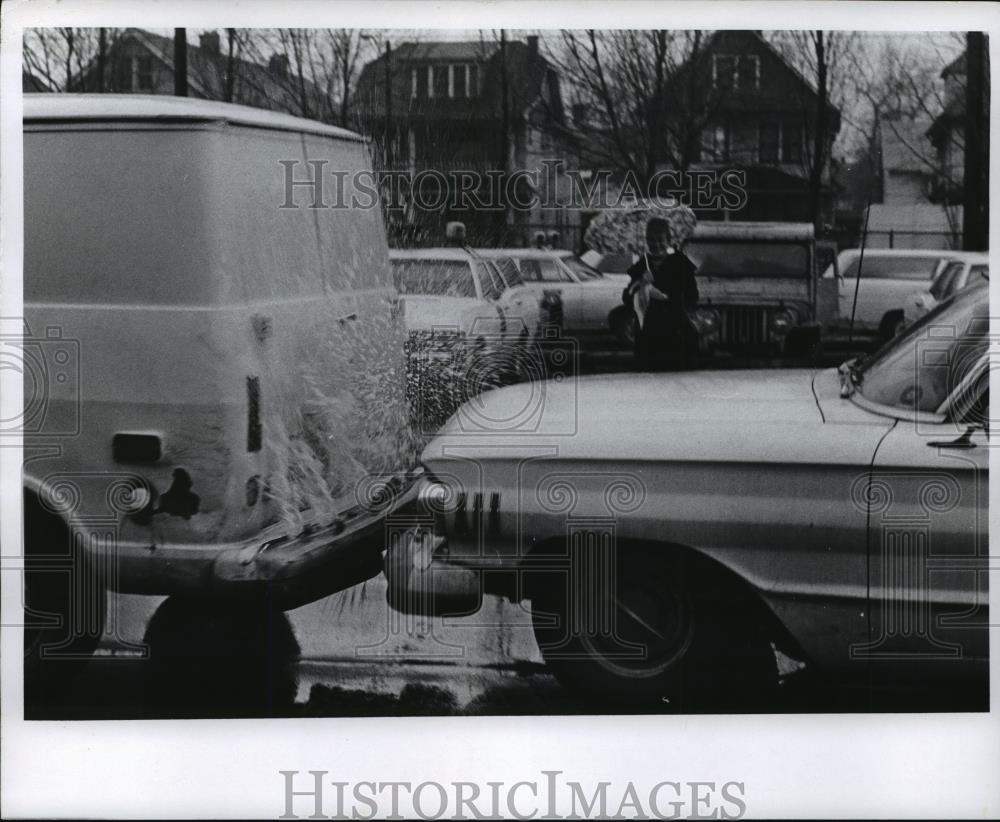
(743,326)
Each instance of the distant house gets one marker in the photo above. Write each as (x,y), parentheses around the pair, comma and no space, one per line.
(903,215)
(907,161)
(759,115)
(141,62)
(445,114)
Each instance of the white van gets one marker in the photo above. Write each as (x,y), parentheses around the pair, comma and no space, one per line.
(214,399)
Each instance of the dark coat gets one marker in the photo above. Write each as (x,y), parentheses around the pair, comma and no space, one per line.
(667,341)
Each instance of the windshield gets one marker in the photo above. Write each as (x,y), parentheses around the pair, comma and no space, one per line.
(580,268)
(739,259)
(440,278)
(940,288)
(919,369)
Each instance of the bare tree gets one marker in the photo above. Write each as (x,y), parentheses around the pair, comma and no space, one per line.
(643,97)
(60,56)
(824,58)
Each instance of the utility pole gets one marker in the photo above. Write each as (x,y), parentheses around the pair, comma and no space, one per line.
(102,58)
(976,171)
(180,63)
(388,105)
(505,122)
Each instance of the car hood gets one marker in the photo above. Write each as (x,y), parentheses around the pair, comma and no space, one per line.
(762,415)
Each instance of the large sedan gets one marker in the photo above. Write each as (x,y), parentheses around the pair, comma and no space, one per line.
(671,530)
(587,297)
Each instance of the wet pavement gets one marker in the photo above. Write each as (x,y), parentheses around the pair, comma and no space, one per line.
(349,655)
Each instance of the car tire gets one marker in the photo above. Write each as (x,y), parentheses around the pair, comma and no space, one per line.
(892,323)
(703,650)
(54,654)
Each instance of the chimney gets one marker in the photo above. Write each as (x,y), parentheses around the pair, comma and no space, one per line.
(533,45)
(209,42)
(278,65)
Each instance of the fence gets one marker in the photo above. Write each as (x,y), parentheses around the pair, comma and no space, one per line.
(908,238)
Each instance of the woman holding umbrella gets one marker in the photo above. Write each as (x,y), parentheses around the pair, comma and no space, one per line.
(663,290)
(663,287)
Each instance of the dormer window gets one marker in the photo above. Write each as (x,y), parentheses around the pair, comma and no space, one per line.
(736,72)
(457,81)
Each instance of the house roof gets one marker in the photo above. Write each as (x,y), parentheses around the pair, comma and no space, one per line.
(905,146)
(469,51)
(207,73)
(528,73)
(956,66)
(164,108)
(724,40)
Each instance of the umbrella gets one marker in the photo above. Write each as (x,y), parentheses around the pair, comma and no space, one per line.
(623,230)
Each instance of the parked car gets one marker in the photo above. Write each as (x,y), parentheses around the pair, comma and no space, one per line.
(888,278)
(468,328)
(210,370)
(668,529)
(954,277)
(587,297)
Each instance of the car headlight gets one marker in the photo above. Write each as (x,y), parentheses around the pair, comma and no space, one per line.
(782,321)
(708,321)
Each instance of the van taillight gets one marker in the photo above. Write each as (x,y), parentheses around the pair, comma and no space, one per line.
(254,432)
(136,448)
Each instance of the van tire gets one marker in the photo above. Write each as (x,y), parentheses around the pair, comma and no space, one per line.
(55,654)
(713,652)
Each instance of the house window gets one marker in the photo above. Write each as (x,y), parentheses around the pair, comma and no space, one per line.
(723,71)
(769,143)
(544,144)
(473,80)
(123,74)
(748,73)
(420,84)
(736,72)
(458,81)
(791,144)
(144,73)
(440,80)
(715,143)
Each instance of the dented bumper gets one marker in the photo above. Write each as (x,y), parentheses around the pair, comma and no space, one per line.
(290,570)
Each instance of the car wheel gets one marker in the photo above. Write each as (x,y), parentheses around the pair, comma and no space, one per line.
(892,323)
(664,637)
(65,606)
(625,326)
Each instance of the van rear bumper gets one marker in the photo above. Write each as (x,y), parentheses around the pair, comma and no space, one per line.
(288,570)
